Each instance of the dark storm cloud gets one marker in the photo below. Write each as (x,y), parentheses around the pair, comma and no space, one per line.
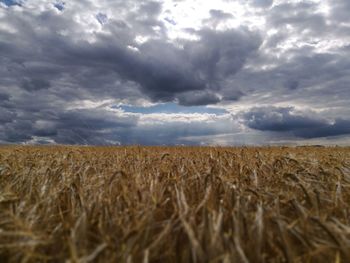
(219,55)
(338,127)
(6,115)
(292,84)
(300,124)
(16,131)
(98,119)
(279,119)
(198,98)
(160,70)
(200,65)
(163,70)
(89,126)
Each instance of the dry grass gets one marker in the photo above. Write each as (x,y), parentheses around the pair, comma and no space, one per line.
(158,204)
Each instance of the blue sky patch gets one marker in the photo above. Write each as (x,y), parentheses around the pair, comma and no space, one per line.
(11,2)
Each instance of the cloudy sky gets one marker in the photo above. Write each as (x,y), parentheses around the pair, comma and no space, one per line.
(224,72)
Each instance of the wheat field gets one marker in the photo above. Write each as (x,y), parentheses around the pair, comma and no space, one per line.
(174,204)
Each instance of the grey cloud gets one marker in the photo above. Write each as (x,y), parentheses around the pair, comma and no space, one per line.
(65,126)
(232,94)
(219,14)
(92,119)
(151,8)
(4,97)
(217,17)
(45,128)
(175,132)
(35,84)
(254,3)
(340,10)
(16,131)
(262,3)
(301,15)
(221,54)
(315,79)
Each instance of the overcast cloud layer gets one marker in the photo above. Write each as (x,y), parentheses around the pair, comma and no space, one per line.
(175,72)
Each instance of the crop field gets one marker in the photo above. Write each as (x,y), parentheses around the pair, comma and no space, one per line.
(174,204)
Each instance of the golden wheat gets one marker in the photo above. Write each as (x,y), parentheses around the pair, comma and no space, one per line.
(174,204)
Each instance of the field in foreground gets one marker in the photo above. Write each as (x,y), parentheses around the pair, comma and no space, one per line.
(160,204)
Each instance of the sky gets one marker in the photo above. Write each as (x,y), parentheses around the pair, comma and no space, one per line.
(175,72)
